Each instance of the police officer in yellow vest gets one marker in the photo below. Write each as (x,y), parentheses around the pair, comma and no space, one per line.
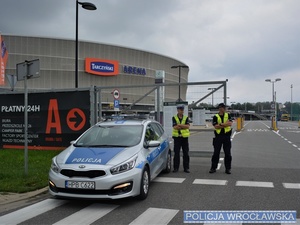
(181,135)
(222,123)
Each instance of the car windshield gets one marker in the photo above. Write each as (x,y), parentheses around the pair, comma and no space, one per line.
(111,136)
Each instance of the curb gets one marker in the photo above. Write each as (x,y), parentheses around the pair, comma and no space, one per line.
(8,197)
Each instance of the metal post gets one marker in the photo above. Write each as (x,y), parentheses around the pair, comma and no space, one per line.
(99,104)
(273,96)
(88,6)
(179,67)
(275,117)
(225,92)
(158,103)
(76,48)
(179,99)
(26,122)
(274,120)
(291,102)
(273,102)
(96,110)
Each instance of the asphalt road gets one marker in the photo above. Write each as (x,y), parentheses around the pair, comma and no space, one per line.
(265,176)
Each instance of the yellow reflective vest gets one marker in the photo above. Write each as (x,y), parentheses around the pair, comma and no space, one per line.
(184,132)
(226,129)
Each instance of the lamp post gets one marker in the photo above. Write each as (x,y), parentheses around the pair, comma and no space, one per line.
(179,67)
(291,102)
(212,96)
(88,6)
(232,105)
(274,101)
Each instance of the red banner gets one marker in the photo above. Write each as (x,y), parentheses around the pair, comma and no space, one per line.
(3,61)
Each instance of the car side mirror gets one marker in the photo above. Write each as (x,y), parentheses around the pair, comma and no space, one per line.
(152,144)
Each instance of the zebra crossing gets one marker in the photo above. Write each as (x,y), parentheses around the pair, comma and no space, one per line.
(151,215)
(30,211)
(90,214)
(225,182)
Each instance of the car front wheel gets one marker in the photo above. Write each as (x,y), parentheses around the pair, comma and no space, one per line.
(169,163)
(145,181)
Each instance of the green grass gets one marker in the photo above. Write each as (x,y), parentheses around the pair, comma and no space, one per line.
(12,170)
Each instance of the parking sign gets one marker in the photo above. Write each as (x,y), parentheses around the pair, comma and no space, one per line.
(116,105)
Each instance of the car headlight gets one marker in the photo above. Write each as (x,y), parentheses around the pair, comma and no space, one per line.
(125,166)
(54,167)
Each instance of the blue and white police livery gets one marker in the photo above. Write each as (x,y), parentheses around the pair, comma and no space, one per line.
(113,159)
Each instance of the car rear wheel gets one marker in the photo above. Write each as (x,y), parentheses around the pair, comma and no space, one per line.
(145,181)
(169,163)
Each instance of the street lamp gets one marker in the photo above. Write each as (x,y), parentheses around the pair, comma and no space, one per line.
(291,102)
(174,67)
(87,6)
(232,105)
(274,100)
(212,95)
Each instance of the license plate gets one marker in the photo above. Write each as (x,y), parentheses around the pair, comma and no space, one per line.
(80,184)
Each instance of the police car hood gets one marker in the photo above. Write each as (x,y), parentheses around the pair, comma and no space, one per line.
(95,156)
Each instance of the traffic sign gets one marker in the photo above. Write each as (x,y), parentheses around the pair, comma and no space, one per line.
(28,69)
(116,104)
(116,94)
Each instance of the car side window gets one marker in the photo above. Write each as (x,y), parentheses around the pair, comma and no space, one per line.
(154,132)
(158,129)
(149,135)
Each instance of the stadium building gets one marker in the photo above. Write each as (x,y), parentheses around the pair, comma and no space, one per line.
(100,65)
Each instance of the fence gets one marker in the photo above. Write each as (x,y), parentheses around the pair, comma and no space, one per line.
(57,117)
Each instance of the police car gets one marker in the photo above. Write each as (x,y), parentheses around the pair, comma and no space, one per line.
(113,159)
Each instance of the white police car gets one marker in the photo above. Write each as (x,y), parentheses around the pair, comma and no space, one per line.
(113,159)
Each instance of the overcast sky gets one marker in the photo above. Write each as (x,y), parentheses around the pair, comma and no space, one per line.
(244,41)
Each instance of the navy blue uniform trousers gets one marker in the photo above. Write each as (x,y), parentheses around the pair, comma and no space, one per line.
(219,141)
(180,142)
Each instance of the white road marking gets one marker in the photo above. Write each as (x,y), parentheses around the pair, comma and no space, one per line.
(234,133)
(288,141)
(210,182)
(258,130)
(169,180)
(30,211)
(155,216)
(88,214)
(220,164)
(255,184)
(291,185)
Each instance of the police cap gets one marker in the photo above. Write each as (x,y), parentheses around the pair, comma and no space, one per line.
(180,106)
(221,105)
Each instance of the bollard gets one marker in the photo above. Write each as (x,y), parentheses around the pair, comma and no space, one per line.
(274,124)
(299,124)
(239,124)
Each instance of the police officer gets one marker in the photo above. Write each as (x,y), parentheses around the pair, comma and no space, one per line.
(181,135)
(222,123)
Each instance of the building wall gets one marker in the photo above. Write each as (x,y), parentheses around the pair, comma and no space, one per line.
(57,66)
